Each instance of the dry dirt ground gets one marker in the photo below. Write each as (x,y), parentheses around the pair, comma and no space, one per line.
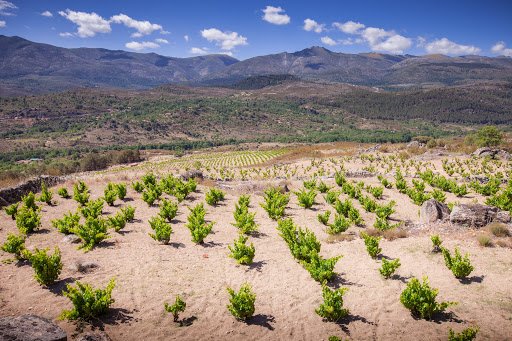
(147,274)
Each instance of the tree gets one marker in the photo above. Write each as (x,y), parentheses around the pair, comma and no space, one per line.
(489,136)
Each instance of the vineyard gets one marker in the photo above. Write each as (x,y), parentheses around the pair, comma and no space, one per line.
(327,248)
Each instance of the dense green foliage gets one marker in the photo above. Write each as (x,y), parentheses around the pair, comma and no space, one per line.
(242,303)
(275,202)
(168,210)
(14,244)
(92,233)
(461,267)
(388,268)
(243,253)
(162,230)
(332,308)
(302,243)
(213,196)
(197,225)
(320,269)
(68,223)
(467,334)
(87,304)
(46,267)
(372,244)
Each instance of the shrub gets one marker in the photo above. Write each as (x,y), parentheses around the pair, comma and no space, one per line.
(47,268)
(242,253)
(384,211)
(340,225)
(128,212)
(87,303)
(275,202)
(92,233)
(28,220)
(178,306)
(324,218)
(331,197)
(138,186)
(372,244)
(383,224)
(388,268)
(384,181)
(340,178)
(29,201)
(162,230)
(343,207)
(242,303)
(467,334)
(436,243)
(168,210)
(488,136)
(149,196)
(63,192)
(438,195)
(14,244)
(461,267)
(499,229)
(214,196)
(331,309)
(149,179)
(368,203)
(377,192)
(197,225)
(110,194)
(244,220)
(92,209)
(244,200)
(323,188)
(81,193)
(485,240)
(320,269)
(420,299)
(309,184)
(118,222)
(12,210)
(301,243)
(120,191)
(46,195)
(354,216)
(67,224)
(306,198)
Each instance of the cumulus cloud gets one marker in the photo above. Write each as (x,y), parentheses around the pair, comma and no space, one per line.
(273,16)
(163,41)
(2,23)
(311,25)
(47,14)
(226,40)
(499,48)
(227,53)
(349,27)
(445,46)
(88,23)
(134,45)
(186,38)
(142,27)
(66,34)
(197,50)
(328,41)
(6,7)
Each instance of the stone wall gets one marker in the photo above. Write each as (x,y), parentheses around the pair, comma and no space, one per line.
(11,195)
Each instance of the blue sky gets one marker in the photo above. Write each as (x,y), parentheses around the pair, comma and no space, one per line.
(246,28)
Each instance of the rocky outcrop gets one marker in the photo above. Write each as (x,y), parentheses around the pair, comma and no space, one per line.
(433,210)
(30,327)
(504,155)
(191,174)
(359,174)
(11,195)
(477,215)
(95,337)
(373,149)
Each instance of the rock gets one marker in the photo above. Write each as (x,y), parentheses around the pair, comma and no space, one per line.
(30,327)
(80,266)
(373,149)
(359,174)
(504,155)
(95,337)
(282,187)
(71,238)
(474,215)
(191,174)
(485,151)
(433,210)
(480,178)
(415,144)
(11,195)
(502,217)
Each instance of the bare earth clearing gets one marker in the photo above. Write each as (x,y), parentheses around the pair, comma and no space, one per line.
(147,273)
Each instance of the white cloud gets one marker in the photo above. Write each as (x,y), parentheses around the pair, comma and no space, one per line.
(311,25)
(133,45)
(444,46)
(142,27)
(272,16)
(394,44)
(421,41)
(227,53)
(349,41)
(88,23)
(226,40)
(6,6)
(197,50)
(2,23)
(163,41)
(66,34)
(47,14)
(349,27)
(500,49)
(328,41)
(186,38)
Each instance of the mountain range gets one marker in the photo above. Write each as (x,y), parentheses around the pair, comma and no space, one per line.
(33,68)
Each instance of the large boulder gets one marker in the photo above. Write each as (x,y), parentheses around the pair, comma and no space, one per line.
(504,155)
(433,210)
(485,151)
(477,215)
(30,327)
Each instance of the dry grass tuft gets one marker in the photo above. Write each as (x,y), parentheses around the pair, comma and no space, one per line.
(502,243)
(388,234)
(498,229)
(341,237)
(485,240)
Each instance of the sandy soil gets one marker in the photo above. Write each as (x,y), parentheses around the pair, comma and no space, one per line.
(147,274)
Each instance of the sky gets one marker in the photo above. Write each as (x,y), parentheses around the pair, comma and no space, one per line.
(249,28)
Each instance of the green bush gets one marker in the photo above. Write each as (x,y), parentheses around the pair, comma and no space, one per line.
(168,210)
(242,303)
(309,184)
(162,230)
(92,233)
(467,334)
(324,218)
(323,188)
(355,216)
(384,181)
(384,211)
(150,195)
(120,191)
(138,186)
(301,243)
(331,197)
(149,179)
(388,268)
(244,200)
(436,243)
(489,136)
(81,193)
(332,308)
(306,198)
(382,224)
(461,267)
(377,192)
(68,223)
(368,203)
(14,244)
(244,220)
(197,225)
(128,212)
(28,220)
(320,269)
(46,195)
(438,195)
(340,178)
(118,222)
(240,251)
(340,225)
(92,209)
(275,202)
(420,299)
(110,194)
(12,210)
(213,196)
(87,304)
(29,201)
(63,192)
(47,268)
(178,306)
(372,244)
